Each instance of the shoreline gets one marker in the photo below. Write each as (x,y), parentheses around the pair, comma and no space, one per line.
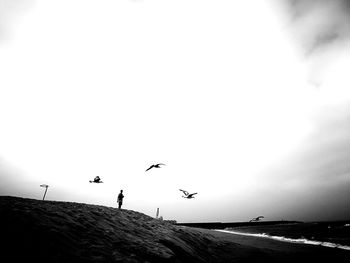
(288,240)
(282,251)
(222,225)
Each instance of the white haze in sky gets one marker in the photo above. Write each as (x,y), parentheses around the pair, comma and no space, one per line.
(217,90)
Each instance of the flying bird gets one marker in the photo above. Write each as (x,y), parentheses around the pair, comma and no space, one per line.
(97,180)
(155,166)
(256,219)
(187,194)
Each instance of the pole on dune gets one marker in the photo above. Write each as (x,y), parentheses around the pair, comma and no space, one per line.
(46,186)
(157,213)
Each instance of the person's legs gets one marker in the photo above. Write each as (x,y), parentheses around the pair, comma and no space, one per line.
(119,205)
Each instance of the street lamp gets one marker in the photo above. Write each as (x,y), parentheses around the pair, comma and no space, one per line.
(46,186)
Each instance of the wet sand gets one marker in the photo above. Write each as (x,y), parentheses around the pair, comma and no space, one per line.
(280,251)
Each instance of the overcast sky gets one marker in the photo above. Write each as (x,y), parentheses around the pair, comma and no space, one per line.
(246,102)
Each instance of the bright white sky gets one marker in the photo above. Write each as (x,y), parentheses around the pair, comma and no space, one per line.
(216,90)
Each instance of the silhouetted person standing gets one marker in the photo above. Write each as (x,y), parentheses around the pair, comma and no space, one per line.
(120,199)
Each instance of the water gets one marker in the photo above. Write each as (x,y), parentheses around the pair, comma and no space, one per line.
(329,234)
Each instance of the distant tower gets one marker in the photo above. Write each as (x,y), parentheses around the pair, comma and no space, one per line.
(157,213)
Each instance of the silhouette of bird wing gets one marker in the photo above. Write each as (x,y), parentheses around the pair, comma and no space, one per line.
(96,182)
(150,167)
(192,194)
(155,165)
(185,192)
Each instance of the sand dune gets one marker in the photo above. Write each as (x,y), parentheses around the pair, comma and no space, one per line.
(51,231)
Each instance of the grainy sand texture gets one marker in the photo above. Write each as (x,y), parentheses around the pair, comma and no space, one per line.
(51,231)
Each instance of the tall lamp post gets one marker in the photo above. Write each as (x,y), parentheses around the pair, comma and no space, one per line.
(46,186)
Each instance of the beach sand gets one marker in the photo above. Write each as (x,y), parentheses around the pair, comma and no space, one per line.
(51,231)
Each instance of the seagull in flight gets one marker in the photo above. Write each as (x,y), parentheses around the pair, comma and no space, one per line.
(96,180)
(155,166)
(187,194)
(256,219)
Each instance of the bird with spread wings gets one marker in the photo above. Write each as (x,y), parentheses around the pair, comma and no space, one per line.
(96,180)
(155,166)
(256,219)
(187,194)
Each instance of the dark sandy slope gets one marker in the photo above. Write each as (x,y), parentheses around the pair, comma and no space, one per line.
(51,231)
